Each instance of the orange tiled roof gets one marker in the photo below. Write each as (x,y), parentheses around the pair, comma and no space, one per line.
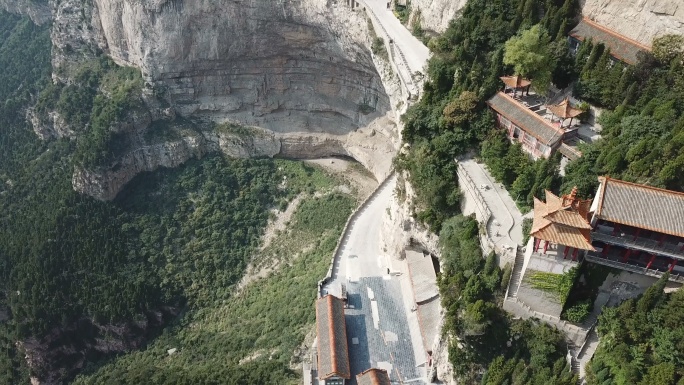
(564,109)
(562,220)
(333,354)
(515,81)
(373,377)
(566,235)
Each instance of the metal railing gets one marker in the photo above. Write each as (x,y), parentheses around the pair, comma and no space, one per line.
(633,268)
(648,245)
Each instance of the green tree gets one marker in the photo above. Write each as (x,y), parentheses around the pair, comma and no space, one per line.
(666,48)
(530,55)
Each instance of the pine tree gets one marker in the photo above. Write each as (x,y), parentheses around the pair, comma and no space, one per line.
(582,53)
(594,56)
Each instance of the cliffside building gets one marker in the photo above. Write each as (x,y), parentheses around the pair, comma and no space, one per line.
(523,124)
(638,228)
(622,48)
(333,353)
(560,225)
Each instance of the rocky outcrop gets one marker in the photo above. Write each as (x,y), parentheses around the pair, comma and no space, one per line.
(70,348)
(435,15)
(641,20)
(371,146)
(38,11)
(300,70)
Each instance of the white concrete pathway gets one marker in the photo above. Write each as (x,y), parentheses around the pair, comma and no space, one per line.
(415,52)
(503,208)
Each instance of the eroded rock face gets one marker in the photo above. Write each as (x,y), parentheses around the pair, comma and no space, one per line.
(372,147)
(288,65)
(299,70)
(641,20)
(435,15)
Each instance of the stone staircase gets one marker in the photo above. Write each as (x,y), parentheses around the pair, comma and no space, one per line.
(516,274)
(586,352)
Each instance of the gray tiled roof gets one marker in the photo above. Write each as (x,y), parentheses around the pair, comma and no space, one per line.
(621,47)
(373,377)
(526,119)
(641,206)
(333,355)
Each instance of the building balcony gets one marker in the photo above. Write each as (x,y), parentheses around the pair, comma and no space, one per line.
(650,246)
(596,258)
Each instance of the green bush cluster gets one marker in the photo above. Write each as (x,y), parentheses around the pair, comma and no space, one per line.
(482,337)
(578,312)
(557,284)
(641,341)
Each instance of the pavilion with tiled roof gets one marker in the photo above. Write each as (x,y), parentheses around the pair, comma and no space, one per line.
(538,136)
(373,377)
(564,110)
(621,47)
(331,329)
(562,221)
(516,83)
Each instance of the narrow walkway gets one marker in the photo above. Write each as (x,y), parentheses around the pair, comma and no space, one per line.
(505,226)
(414,52)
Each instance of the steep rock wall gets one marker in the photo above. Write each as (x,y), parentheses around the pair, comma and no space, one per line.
(286,65)
(641,20)
(371,146)
(435,15)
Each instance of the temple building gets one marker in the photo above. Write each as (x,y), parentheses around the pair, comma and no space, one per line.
(373,377)
(638,228)
(622,48)
(561,225)
(538,136)
(333,353)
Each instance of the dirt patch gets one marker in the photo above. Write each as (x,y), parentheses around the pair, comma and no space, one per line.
(352,172)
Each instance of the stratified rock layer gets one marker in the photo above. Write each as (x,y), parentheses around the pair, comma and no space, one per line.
(287,66)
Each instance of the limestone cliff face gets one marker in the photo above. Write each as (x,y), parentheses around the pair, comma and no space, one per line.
(371,146)
(641,20)
(286,65)
(435,15)
(299,70)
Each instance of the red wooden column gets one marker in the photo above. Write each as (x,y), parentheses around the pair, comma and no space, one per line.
(650,262)
(660,241)
(637,234)
(672,266)
(565,252)
(574,255)
(536,244)
(628,252)
(546,246)
(604,252)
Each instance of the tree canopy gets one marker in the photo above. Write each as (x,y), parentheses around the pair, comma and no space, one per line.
(530,55)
